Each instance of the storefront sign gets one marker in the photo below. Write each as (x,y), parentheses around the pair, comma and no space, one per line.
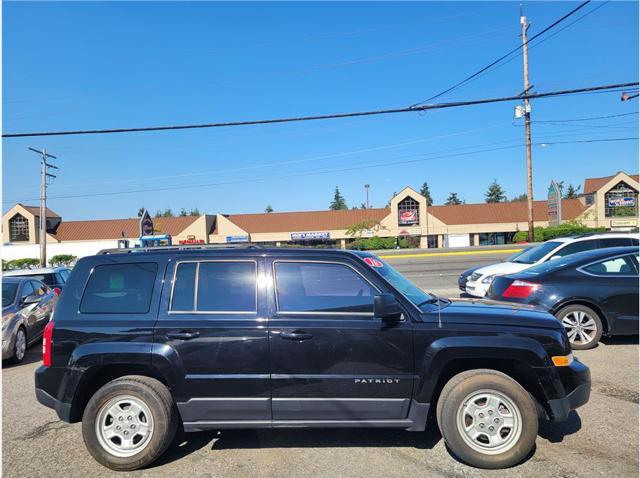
(309,236)
(190,240)
(554,205)
(146,224)
(237,238)
(409,216)
(627,201)
(367,233)
(624,222)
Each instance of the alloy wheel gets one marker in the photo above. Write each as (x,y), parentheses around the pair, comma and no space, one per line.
(580,326)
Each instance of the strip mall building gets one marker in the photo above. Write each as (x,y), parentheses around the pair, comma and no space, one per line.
(610,202)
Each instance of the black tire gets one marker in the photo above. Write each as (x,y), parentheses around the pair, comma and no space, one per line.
(156,397)
(572,313)
(451,404)
(17,358)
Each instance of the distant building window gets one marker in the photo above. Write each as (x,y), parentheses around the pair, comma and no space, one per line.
(589,199)
(18,228)
(621,200)
(408,212)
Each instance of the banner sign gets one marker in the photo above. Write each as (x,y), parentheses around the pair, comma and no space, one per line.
(554,205)
(146,224)
(188,241)
(409,216)
(237,238)
(309,236)
(622,201)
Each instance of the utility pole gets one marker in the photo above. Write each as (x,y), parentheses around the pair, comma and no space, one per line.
(366,188)
(527,121)
(44,175)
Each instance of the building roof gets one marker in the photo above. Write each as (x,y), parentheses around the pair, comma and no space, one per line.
(35,210)
(305,221)
(112,228)
(487,213)
(593,184)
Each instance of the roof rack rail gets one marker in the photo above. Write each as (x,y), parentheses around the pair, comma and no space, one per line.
(178,247)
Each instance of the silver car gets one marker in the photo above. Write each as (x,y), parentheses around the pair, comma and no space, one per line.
(27,306)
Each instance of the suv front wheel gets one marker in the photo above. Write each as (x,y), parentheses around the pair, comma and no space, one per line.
(129,422)
(487,419)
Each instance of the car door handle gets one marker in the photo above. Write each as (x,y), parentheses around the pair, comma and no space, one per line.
(296,335)
(184,335)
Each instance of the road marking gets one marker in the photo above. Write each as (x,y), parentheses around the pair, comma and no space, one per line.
(458,253)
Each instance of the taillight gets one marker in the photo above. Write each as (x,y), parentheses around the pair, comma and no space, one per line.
(47,341)
(57,291)
(520,289)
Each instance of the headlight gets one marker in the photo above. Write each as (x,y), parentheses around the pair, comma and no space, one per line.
(488,279)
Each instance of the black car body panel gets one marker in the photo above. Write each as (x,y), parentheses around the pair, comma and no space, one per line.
(614,297)
(270,366)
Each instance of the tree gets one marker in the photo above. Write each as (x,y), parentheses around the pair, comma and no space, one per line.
(141,211)
(572,192)
(158,213)
(521,197)
(495,193)
(453,200)
(363,206)
(167,212)
(338,202)
(424,190)
(183,212)
(268,209)
(63,260)
(194,212)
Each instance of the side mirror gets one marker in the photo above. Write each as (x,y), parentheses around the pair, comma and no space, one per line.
(387,307)
(31,299)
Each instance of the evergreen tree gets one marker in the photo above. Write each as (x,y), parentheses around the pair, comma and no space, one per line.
(183,212)
(363,206)
(268,208)
(495,193)
(521,197)
(572,192)
(167,212)
(194,212)
(338,202)
(424,190)
(141,211)
(453,200)
(158,213)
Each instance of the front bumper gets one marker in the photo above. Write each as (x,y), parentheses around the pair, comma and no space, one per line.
(566,388)
(477,289)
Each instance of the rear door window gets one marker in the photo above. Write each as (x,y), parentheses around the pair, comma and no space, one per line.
(215,287)
(322,288)
(615,242)
(119,289)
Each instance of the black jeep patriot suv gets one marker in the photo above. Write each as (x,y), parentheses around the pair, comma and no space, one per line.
(145,342)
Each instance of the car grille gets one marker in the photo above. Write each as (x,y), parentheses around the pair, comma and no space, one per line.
(474,277)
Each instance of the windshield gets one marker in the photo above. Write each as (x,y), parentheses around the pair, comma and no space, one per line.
(9,290)
(513,257)
(46,278)
(533,255)
(400,282)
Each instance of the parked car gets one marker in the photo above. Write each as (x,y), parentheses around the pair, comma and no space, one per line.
(210,338)
(53,277)
(462,280)
(479,281)
(592,293)
(27,305)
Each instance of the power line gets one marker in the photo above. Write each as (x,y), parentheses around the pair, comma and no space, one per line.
(586,119)
(409,109)
(495,62)
(384,163)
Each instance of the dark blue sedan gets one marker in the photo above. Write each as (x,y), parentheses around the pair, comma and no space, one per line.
(592,293)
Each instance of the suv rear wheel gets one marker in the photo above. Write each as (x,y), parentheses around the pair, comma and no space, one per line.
(487,419)
(129,422)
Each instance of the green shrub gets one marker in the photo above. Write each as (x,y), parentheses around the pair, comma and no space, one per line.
(522,236)
(26,263)
(373,243)
(569,228)
(62,260)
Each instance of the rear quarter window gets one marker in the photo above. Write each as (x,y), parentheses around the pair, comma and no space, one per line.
(119,289)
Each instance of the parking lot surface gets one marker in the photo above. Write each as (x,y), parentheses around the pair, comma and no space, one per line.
(601,439)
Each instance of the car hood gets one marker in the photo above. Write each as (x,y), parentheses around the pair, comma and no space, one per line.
(487,312)
(503,268)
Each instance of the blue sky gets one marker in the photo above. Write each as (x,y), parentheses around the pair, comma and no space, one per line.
(103,65)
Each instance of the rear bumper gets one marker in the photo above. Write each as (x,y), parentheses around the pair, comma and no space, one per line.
(44,394)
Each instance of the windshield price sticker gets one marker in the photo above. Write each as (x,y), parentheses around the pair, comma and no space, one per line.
(373,262)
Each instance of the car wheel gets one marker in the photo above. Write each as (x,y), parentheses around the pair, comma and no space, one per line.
(583,326)
(19,346)
(487,419)
(129,422)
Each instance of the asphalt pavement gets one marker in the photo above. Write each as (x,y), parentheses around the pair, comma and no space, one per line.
(600,439)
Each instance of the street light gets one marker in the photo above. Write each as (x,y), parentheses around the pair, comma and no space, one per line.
(366,187)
